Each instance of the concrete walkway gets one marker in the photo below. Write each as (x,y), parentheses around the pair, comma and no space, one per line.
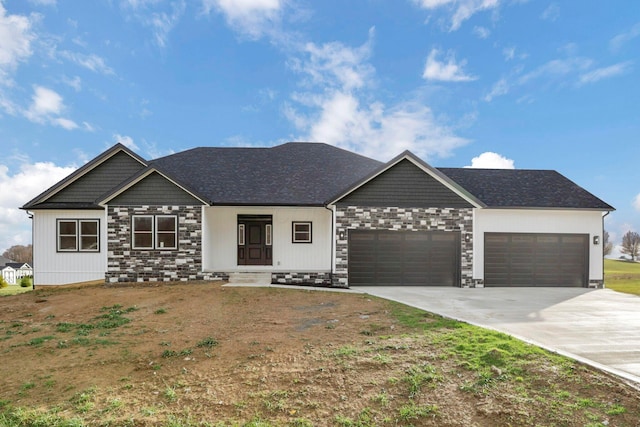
(598,327)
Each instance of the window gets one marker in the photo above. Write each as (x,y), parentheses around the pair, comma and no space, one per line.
(155,232)
(301,232)
(78,235)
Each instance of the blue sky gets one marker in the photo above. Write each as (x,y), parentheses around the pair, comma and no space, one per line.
(534,84)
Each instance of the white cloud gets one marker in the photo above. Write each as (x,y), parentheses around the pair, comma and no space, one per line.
(604,73)
(65,123)
(44,103)
(335,64)
(482,32)
(91,62)
(491,160)
(618,41)
(15,42)
(253,18)
(636,202)
(16,190)
(551,13)
(337,107)
(160,21)
(509,53)
(447,71)
(46,107)
(125,140)
(557,68)
(501,87)
(75,82)
(460,10)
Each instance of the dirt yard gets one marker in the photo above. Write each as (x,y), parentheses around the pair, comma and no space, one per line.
(203,354)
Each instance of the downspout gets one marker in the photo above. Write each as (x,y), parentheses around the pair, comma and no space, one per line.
(603,216)
(333,239)
(33,275)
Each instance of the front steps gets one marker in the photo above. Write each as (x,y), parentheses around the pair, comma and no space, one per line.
(250,278)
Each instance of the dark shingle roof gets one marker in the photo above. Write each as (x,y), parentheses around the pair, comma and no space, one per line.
(520,188)
(296,173)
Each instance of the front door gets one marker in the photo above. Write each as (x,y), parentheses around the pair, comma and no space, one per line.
(254,240)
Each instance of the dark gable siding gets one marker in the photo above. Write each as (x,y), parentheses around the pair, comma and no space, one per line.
(154,190)
(406,186)
(98,181)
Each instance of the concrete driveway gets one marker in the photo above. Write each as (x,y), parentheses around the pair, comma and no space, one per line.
(599,327)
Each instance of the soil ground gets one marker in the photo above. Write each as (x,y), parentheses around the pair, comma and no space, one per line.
(204,354)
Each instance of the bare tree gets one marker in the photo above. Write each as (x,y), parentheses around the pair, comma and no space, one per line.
(19,253)
(607,246)
(631,244)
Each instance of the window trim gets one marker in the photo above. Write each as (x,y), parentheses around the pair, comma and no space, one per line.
(294,239)
(154,232)
(78,234)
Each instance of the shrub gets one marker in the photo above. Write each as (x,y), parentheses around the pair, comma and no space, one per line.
(26,281)
(3,283)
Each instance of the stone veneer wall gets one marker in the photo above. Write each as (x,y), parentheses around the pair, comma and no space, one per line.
(125,264)
(418,219)
(315,279)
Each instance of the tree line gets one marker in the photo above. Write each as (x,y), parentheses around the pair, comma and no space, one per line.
(20,253)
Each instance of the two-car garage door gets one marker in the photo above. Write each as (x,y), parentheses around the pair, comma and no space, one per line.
(432,258)
(536,259)
(406,258)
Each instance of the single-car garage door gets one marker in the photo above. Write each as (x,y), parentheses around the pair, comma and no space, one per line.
(528,259)
(405,258)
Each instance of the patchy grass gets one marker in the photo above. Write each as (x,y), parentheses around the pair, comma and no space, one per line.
(622,276)
(80,358)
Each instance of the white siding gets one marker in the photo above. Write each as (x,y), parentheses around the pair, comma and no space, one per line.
(219,246)
(59,268)
(537,221)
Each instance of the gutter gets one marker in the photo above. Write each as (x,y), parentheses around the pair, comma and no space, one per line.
(33,269)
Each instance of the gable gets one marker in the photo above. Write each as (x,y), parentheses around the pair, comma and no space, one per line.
(404,185)
(99,180)
(154,189)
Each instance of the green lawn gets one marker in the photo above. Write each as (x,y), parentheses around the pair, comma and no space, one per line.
(622,276)
(13,290)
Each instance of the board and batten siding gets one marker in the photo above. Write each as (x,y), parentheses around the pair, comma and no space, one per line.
(59,268)
(219,249)
(538,221)
(404,185)
(98,181)
(154,190)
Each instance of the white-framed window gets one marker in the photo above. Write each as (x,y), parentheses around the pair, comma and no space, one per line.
(154,231)
(267,234)
(240,234)
(301,232)
(78,235)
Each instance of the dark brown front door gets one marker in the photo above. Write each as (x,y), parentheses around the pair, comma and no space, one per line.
(254,241)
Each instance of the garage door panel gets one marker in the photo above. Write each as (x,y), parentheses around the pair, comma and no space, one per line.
(520,259)
(409,258)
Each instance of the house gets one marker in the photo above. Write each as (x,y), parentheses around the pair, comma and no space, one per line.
(13,272)
(316,214)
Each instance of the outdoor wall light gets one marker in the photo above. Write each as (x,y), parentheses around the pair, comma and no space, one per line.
(596,240)
(341,235)
(467,237)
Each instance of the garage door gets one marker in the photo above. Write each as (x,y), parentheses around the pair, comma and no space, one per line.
(517,259)
(405,258)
